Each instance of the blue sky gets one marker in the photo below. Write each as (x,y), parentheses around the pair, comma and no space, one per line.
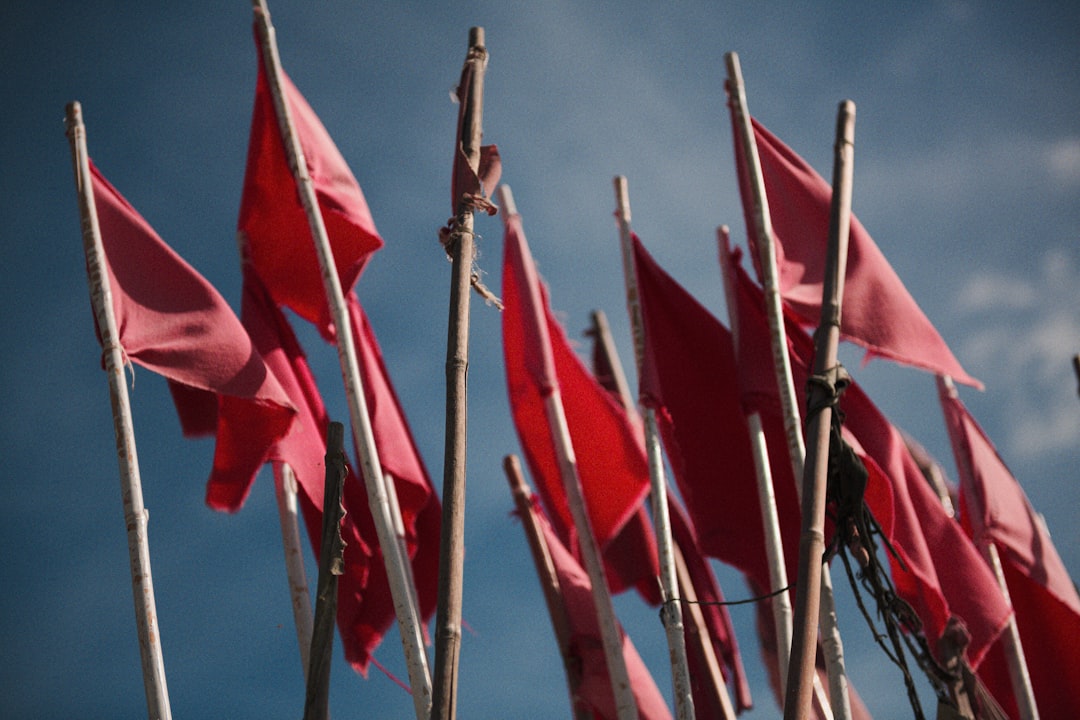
(967,174)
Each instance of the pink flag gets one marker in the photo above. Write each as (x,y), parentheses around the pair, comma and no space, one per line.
(995,509)
(879,313)
(938,570)
(585,646)
(281,248)
(610,456)
(172,321)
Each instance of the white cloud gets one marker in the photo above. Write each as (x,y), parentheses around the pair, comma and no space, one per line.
(1063,160)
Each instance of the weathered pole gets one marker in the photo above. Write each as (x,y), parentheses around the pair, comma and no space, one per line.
(821,396)
(461,247)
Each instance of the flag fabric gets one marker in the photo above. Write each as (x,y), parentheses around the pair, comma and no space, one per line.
(586,651)
(476,185)
(995,509)
(274,221)
(365,608)
(171,320)
(879,313)
(938,571)
(610,456)
(689,376)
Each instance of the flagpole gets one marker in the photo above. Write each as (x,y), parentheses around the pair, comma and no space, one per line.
(610,637)
(601,332)
(136,516)
(408,620)
(452,542)
(1019,676)
(549,580)
(821,396)
(285,493)
(673,615)
(832,645)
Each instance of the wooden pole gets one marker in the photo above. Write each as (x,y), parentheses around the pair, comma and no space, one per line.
(549,581)
(1014,648)
(610,637)
(697,628)
(673,615)
(831,643)
(331,565)
(300,596)
(136,515)
(812,540)
(452,545)
(408,622)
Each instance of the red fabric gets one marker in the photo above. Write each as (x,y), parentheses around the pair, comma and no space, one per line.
(464,180)
(610,458)
(717,620)
(585,646)
(172,321)
(879,313)
(271,216)
(994,508)
(940,572)
(689,376)
(365,609)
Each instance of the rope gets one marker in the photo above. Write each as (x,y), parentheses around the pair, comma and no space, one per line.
(664,605)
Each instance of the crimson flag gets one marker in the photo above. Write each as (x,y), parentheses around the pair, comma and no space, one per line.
(585,646)
(365,610)
(879,313)
(465,182)
(689,376)
(273,219)
(995,509)
(172,321)
(938,570)
(610,456)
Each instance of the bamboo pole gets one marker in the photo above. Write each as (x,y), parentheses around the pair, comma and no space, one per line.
(1019,677)
(698,630)
(549,581)
(812,539)
(300,596)
(452,543)
(673,615)
(363,437)
(331,565)
(136,515)
(832,646)
(610,637)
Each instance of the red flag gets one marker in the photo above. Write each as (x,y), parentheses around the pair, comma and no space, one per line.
(271,216)
(689,377)
(995,509)
(473,185)
(172,321)
(879,313)
(939,572)
(610,457)
(585,646)
(365,611)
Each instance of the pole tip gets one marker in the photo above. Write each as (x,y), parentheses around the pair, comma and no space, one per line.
(476,37)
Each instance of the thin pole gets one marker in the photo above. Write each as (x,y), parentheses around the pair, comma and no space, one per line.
(331,565)
(1013,647)
(452,544)
(673,615)
(774,547)
(408,622)
(135,514)
(299,594)
(832,646)
(610,637)
(812,539)
(601,333)
(549,580)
